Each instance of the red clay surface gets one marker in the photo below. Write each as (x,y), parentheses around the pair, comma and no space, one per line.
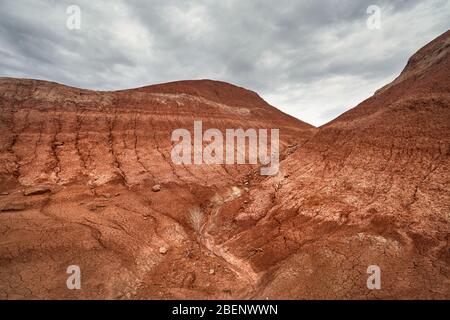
(372,187)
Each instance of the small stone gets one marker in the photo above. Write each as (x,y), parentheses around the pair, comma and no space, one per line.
(118,296)
(36,191)
(156,188)
(96,206)
(4,193)
(13,207)
(58,143)
(162,250)
(211,271)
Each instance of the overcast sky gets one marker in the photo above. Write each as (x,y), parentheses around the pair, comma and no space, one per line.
(311,59)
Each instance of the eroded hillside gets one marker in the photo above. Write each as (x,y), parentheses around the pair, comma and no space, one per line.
(369,188)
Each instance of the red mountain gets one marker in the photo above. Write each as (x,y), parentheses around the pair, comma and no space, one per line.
(77,169)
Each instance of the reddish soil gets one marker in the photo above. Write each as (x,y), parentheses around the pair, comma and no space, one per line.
(372,187)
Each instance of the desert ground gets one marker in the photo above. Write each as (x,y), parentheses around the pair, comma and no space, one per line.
(86,179)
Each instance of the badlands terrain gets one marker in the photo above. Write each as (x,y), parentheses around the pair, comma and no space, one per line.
(86,179)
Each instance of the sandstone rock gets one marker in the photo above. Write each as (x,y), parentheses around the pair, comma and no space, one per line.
(95,206)
(15,206)
(163,250)
(36,190)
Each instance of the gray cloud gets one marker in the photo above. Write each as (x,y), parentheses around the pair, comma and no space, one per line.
(312,59)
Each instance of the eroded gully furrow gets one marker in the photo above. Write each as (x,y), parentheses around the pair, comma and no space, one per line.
(239,266)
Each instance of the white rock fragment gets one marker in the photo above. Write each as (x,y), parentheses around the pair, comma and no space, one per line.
(162,250)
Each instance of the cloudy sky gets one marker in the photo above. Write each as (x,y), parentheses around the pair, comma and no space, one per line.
(312,59)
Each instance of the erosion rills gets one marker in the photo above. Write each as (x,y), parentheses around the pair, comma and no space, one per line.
(240,266)
(128,138)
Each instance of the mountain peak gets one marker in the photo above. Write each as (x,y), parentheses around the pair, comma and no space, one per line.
(213,90)
(433,55)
